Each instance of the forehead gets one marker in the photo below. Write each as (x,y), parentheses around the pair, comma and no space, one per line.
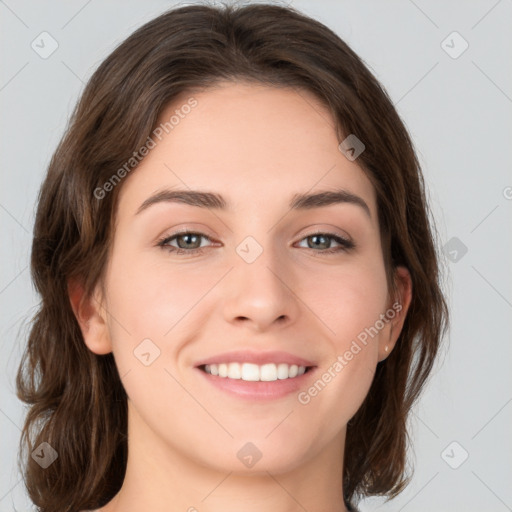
(251,143)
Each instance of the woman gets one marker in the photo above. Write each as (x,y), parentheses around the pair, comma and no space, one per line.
(239,281)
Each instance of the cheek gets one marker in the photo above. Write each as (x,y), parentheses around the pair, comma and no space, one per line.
(150,298)
(153,308)
(346,299)
(350,303)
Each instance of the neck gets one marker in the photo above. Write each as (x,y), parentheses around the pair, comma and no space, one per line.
(160,477)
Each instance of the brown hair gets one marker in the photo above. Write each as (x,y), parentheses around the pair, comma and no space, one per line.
(77,402)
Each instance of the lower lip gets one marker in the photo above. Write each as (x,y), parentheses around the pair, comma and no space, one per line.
(259,390)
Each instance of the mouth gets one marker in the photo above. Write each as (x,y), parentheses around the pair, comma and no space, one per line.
(257,383)
(250,372)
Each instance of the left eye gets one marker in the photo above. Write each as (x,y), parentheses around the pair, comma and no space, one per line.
(324,241)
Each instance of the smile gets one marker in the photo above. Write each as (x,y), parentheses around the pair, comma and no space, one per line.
(254,372)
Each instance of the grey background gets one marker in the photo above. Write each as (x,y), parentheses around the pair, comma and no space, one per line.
(458,111)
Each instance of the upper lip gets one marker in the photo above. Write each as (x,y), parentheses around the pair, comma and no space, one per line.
(256,357)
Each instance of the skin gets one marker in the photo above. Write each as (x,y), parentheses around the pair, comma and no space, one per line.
(257,146)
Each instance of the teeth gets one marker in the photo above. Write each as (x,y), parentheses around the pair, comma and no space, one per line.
(223,370)
(253,372)
(249,371)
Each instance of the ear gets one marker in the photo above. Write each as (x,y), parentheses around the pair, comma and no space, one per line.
(91,317)
(397,312)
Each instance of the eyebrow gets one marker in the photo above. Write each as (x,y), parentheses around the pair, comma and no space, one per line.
(216,201)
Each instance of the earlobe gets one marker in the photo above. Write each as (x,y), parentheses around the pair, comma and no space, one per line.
(90,317)
(399,309)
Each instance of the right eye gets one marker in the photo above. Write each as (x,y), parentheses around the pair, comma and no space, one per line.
(186,242)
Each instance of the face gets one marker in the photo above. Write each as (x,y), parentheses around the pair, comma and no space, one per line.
(269,279)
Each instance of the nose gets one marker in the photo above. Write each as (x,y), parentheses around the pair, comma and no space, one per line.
(260,294)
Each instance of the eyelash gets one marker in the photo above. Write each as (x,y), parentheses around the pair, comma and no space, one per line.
(346,245)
